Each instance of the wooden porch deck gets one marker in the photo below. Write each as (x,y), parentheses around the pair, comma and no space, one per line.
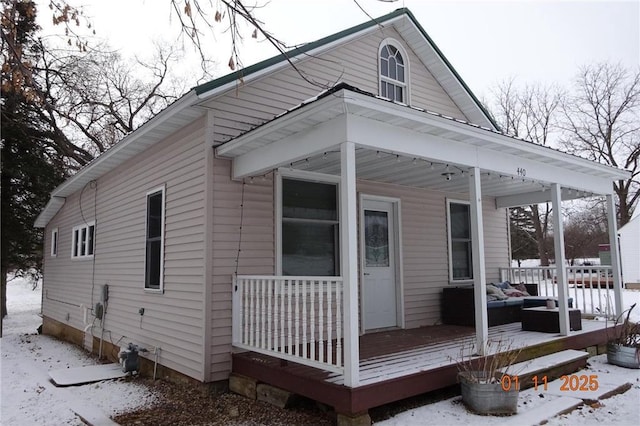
(399,364)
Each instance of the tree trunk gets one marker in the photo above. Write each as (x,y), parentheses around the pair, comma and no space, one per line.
(541,237)
(3,295)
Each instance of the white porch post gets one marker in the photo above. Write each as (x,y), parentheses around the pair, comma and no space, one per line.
(615,256)
(479,272)
(561,271)
(349,257)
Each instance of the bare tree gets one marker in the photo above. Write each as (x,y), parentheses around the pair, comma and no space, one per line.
(94,98)
(530,113)
(602,123)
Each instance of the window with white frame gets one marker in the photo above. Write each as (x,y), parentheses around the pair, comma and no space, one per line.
(460,259)
(54,242)
(310,228)
(154,258)
(393,72)
(83,240)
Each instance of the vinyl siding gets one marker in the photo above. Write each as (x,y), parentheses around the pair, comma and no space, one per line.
(424,238)
(173,320)
(425,259)
(355,63)
(253,248)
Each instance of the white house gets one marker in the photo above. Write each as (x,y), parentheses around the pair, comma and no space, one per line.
(303,220)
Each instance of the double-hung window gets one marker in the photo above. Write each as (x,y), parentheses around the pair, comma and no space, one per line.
(54,242)
(310,228)
(460,260)
(83,240)
(154,263)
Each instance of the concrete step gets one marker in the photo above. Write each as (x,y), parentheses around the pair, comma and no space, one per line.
(547,368)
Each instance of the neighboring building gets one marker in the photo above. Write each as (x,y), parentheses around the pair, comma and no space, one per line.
(629,237)
(385,178)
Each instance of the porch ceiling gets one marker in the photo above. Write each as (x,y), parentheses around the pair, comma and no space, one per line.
(402,145)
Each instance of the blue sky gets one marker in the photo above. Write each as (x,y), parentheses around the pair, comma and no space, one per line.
(486,41)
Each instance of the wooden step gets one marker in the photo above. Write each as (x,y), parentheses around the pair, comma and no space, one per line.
(551,366)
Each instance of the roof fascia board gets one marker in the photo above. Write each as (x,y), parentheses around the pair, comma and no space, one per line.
(450,67)
(485,134)
(85,174)
(53,206)
(264,68)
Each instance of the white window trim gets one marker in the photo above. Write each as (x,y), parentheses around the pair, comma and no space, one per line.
(407,70)
(55,238)
(161,189)
(75,242)
(449,251)
(300,175)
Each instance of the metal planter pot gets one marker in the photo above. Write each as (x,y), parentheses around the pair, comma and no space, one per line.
(623,356)
(487,398)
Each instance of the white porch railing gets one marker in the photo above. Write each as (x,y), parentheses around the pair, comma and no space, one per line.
(293,318)
(591,287)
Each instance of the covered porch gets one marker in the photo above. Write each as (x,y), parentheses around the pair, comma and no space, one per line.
(398,364)
(348,137)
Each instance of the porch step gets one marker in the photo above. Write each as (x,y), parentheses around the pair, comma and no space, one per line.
(547,367)
(544,412)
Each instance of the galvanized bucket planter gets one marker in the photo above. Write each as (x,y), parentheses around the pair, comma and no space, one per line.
(624,356)
(487,398)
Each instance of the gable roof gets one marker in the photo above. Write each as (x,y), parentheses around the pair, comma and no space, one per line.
(412,32)
(185,109)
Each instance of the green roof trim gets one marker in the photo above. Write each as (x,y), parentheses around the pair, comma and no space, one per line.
(244,72)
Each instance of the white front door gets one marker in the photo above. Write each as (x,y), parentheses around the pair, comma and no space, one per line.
(379,290)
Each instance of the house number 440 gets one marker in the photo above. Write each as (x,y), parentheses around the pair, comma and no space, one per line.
(522,171)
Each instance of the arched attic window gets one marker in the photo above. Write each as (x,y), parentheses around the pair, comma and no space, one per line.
(394,72)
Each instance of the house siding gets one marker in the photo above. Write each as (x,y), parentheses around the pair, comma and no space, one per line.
(172,320)
(243,242)
(424,239)
(355,63)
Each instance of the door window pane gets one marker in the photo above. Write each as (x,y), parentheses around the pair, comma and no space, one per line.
(376,231)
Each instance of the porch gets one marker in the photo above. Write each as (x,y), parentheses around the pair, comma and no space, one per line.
(398,364)
(356,146)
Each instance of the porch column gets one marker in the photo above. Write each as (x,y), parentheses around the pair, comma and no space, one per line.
(349,264)
(477,255)
(561,271)
(615,255)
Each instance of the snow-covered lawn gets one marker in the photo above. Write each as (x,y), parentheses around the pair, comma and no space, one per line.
(28,397)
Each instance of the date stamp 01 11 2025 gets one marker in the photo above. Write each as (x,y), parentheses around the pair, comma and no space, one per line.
(572,382)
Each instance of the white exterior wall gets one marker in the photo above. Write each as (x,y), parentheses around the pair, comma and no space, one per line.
(630,250)
(172,321)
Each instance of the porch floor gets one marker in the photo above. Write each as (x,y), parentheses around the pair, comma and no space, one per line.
(397,364)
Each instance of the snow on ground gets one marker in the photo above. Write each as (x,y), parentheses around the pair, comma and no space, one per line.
(28,397)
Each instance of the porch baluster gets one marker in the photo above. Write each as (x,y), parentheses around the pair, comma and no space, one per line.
(289,319)
(252,318)
(312,317)
(296,336)
(304,318)
(329,324)
(338,324)
(269,314)
(282,316)
(245,308)
(320,325)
